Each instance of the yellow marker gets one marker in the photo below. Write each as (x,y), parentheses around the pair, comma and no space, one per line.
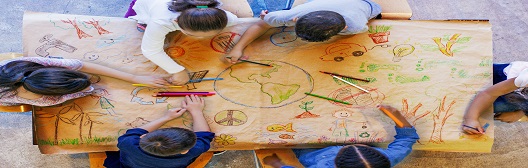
(139,84)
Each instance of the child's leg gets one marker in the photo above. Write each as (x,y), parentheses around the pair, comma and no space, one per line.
(112,159)
(131,11)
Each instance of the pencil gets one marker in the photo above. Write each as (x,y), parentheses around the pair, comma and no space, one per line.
(350,83)
(177,94)
(467,126)
(390,115)
(327,98)
(330,73)
(258,63)
(205,79)
(140,84)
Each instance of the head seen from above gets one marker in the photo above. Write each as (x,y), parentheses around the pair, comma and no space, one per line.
(40,79)
(360,156)
(319,26)
(168,141)
(199,18)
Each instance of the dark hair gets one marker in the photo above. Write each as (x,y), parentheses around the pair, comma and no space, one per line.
(168,141)
(199,19)
(359,156)
(319,26)
(40,79)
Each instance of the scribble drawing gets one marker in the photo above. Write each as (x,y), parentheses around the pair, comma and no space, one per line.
(365,137)
(401,51)
(224,140)
(285,37)
(474,137)
(279,128)
(286,136)
(440,116)
(339,51)
(407,79)
(109,41)
(431,64)
(85,118)
(306,108)
(486,62)
(230,118)
(447,49)
(52,43)
(105,103)
(195,77)
(465,74)
(136,97)
(264,83)
(100,29)
(356,97)
(379,33)
(139,121)
(224,42)
(184,51)
(81,34)
(102,56)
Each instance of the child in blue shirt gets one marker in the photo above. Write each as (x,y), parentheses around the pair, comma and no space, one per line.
(358,155)
(148,146)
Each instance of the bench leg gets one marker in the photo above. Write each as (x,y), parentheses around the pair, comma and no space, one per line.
(202,160)
(97,159)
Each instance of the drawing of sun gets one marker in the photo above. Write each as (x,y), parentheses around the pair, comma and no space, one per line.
(185,51)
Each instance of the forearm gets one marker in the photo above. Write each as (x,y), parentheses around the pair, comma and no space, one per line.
(251,34)
(106,71)
(199,122)
(154,125)
(483,100)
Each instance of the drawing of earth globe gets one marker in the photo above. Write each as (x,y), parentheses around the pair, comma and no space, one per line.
(259,86)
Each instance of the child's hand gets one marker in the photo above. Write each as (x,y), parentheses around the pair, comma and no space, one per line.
(263,13)
(475,124)
(180,78)
(174,113)
(396,114)
(153,81)
(193,104)
(233,56)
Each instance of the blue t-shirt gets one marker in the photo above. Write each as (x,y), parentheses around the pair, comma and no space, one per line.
(131,155)
(395,152)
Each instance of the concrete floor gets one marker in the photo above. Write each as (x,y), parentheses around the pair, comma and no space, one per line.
(508,17)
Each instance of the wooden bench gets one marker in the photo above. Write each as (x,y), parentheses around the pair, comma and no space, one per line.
(97,160)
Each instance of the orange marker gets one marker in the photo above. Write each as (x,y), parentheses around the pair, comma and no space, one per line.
(390,115)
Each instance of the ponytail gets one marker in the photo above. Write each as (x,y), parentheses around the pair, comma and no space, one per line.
(199,19)
(40,79)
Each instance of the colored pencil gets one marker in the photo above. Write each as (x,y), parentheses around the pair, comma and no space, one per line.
(350,83)
(178,94)
(185,92)
(390,115)
(205,79)
(258,63)
(483,127)
(327,98)
(330,73)
(140,84)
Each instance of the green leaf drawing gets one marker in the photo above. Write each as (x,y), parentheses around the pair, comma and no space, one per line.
(429,47)
(458,49)
(379,28)
(463,40)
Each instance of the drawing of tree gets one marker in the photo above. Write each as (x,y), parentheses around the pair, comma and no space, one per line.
(58,117)
(411,115)
(100,29)
(439,119)
(81,116)
(81,34)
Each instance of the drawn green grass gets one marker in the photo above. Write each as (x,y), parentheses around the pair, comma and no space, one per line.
(379,29)
(46,142)
(76,141)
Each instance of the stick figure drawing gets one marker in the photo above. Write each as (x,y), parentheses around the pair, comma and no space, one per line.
(339,126)
(101,94)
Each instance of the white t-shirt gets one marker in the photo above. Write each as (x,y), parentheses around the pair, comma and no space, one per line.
(356,13)
(518,69)
(161,21)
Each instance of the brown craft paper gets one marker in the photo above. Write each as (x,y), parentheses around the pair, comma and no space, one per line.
(430,70)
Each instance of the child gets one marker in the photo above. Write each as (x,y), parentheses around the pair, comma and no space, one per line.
(148,146)
(508,95)
(314,21)
(358,155)
(192,17)
(44,81)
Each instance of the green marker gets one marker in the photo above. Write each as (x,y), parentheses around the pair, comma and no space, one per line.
(327,98)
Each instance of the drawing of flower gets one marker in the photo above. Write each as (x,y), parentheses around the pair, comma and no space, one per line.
(225,139)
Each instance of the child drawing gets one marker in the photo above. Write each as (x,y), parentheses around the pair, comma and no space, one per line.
(101,94)
(339,128)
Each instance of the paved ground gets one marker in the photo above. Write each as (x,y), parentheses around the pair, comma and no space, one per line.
(508,17)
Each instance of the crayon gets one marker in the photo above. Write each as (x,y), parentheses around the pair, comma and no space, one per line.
(390,115)
(330,73)
(327,98)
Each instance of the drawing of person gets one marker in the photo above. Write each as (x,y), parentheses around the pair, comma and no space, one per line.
(101,94)
(339,127)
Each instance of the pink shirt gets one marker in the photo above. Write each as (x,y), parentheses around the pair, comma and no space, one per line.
(12,99)
(519,71)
